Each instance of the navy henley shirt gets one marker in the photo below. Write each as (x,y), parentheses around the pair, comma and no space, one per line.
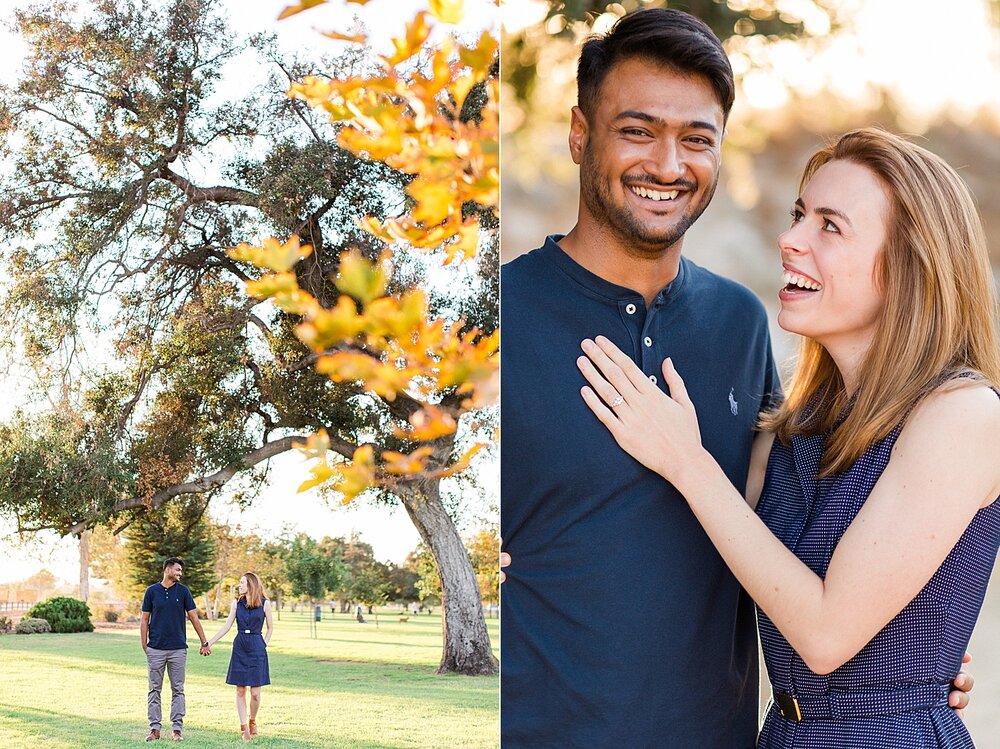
(168,609)
(622,626)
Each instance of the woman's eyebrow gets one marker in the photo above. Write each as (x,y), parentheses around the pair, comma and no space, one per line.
(823,211)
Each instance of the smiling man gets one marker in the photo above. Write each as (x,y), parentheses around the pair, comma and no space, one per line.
(621,624)
(163,634)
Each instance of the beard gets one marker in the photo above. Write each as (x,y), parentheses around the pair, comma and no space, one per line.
(636,234)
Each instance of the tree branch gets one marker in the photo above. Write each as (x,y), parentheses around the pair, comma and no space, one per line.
(215,480)
(218,194)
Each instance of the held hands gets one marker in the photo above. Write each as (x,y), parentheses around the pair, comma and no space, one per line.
(205,650)
(659,430)
(958,698)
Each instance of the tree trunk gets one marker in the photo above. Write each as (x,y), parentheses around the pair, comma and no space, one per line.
(218,598)
(84,565)
(467,648)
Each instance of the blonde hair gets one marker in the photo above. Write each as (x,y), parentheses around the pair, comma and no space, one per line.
(939,315)
(255,591)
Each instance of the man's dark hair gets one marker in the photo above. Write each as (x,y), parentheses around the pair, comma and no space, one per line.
(667,37)
(172,561)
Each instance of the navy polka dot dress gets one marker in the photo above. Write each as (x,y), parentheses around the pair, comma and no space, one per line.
(894,692)
(248,662)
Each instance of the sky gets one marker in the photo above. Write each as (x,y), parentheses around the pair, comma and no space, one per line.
(279,506)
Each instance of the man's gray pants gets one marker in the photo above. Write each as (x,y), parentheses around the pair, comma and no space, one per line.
(173,661)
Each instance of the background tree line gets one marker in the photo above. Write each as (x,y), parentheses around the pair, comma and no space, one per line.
(295,569)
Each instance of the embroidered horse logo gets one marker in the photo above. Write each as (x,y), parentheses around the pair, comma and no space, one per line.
(733,405)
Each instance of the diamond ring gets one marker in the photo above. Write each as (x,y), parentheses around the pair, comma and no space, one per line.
(618,401)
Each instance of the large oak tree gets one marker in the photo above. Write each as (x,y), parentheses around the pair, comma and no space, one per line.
(131,174)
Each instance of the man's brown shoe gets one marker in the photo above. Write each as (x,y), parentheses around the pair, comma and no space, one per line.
(154,735)
(177,735)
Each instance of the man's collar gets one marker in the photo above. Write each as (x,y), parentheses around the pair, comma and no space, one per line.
(604,288)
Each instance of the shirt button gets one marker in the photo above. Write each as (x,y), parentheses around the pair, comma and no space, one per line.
(652,378)
(648,341)
(630,308)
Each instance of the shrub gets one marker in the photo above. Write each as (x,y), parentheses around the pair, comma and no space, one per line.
(64,614)
(29,626)
(6,625)
(106,613)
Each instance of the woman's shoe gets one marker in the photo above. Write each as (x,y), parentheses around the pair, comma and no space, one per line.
(246,732)
(253,727)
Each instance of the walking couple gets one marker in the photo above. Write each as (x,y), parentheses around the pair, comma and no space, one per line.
(859,511)
(164,640)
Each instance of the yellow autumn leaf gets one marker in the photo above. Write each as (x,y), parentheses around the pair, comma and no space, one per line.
(400,464)
(429,423)
(460,88)
(317,445)
(361,278)
(385,379)
(300,6)
(283,289)
(338,37)
(328,327)
(351,479)
(448,11)
(427,89)
(435,201)
(321,473)
(407,46)
(376,146)
(461,464)
(480,57)
(272,254)
(396,316)
(473,362)
(466,243)
(272,285)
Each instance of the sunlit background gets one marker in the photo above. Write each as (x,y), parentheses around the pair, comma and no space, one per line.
(807,70)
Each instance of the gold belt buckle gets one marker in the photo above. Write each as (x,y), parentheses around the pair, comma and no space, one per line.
(788,705)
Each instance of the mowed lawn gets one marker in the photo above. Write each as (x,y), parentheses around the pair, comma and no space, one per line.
(354,686)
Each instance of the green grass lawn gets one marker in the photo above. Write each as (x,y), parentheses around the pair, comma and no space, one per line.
(355,686)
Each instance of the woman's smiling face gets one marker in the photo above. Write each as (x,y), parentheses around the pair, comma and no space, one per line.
(829,254)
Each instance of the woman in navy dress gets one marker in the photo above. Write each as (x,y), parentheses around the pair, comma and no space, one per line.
(878,478)
(248,663)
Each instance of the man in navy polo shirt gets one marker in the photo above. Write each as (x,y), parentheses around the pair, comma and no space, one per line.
(163,633)
(622,626)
